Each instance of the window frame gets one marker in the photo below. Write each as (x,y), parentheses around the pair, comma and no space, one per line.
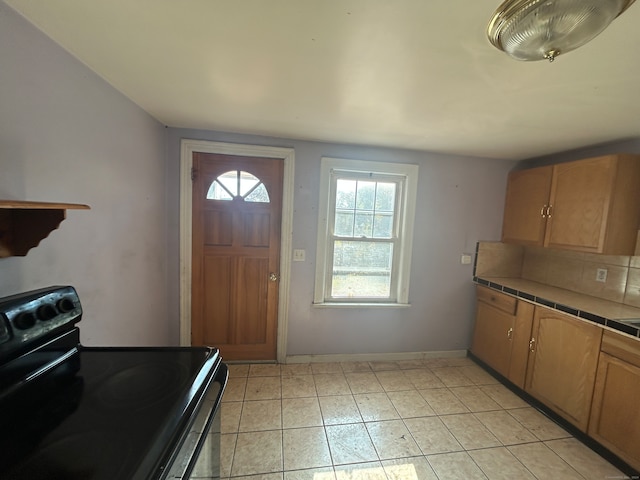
(406,178)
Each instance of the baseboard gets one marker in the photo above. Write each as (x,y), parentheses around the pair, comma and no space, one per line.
(374,357)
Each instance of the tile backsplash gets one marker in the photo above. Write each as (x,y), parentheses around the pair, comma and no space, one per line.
(573,271)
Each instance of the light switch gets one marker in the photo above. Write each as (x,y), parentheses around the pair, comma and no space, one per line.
(465,259)
(299,255)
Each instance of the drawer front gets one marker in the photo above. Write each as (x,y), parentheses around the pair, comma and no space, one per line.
(498,300)
(622,347)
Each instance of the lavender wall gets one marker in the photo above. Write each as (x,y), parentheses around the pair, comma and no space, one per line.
(67,136)
(460,201)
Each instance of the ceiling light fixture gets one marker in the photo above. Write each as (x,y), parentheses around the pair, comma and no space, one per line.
(543,29)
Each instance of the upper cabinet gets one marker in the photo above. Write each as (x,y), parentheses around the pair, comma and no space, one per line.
(24,224)
(588,205)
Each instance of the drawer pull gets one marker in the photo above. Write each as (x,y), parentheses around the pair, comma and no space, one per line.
(532,345)
(510,333)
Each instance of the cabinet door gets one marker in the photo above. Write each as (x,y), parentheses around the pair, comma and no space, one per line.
(520,343)
(562,364)
(491,342)
(527,196)
(580,196)
(615,418)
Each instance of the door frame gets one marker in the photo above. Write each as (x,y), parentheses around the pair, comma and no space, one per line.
(187,149)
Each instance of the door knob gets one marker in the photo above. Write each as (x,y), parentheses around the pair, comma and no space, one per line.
(274,277)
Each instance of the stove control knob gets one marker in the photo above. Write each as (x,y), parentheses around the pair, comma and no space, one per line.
(24,321)
(46,312)
(65,305)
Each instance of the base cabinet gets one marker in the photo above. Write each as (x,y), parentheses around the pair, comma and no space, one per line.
(562,365)
(501,335)
(615,417)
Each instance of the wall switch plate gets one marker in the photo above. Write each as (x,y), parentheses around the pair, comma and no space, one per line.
(601,275)
(299,255)
(465,259)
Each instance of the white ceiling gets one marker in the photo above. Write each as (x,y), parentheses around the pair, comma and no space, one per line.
(416,74)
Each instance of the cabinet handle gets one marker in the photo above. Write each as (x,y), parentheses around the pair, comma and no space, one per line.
(542,210)
(532,345)
(549,211)
(510,333)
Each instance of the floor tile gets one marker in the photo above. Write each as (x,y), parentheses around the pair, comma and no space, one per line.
(227,449)
(474,399)
(478,376)
(410,404)
(394,380)
(261,415)
(235,389)
(499,464)
(325,473)
(503,396)
(363,382)
(452,376)
(541,426)
(350,444)
(295,369)
(410,364)
(355,367)
(506,428)
(301,412)
(391,439)
(237,371)
(543,462)
(263,388)
(262,476)
(414,468)
(230,417)
(257,452)
(375,406)
(381,366)
(331,384)
(264,370)
(326,368)
(339,409)
(442,401)
(298,386)
(423,378)
(361,471)
(432,436)
(455,466)
(469,431)
(305,448)
(584,460)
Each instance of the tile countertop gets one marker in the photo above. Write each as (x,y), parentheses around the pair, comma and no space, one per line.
(614,315)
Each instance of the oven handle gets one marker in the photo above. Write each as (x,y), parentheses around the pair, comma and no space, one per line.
(221,377)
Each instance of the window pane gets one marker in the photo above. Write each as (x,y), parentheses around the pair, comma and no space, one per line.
(366,195)
(386,197)
(364,224)
(259,195)
(217,192)
(344,223)
(361,269)
(383,225)
(247,182)
(230,181)
(346,193)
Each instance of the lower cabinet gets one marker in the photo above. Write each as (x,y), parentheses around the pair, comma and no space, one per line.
(562,364)
(615,416)
(501,334)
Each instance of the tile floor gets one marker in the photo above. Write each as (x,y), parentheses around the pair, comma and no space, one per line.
(435,419)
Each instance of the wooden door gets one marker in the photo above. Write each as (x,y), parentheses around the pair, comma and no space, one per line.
(237,210)
(580,196)
(526,200)
(562,364)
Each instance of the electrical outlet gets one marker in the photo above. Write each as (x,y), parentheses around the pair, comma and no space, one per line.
(601,275)
(465,259)
(299,255)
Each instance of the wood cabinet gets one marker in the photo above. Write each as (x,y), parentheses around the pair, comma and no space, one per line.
(501,334)
(562,364)
(615,417)
(590,205)
(24,224)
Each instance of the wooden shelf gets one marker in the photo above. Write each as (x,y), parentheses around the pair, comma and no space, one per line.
(24,224)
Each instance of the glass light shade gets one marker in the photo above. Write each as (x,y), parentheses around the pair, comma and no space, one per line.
(543,29)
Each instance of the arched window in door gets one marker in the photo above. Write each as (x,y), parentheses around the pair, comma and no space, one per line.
(238,184)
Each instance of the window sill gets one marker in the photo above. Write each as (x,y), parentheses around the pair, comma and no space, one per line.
(359,305)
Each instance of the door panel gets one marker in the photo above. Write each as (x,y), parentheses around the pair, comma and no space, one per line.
(237,204)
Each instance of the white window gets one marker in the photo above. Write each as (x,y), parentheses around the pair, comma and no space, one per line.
(365,231)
